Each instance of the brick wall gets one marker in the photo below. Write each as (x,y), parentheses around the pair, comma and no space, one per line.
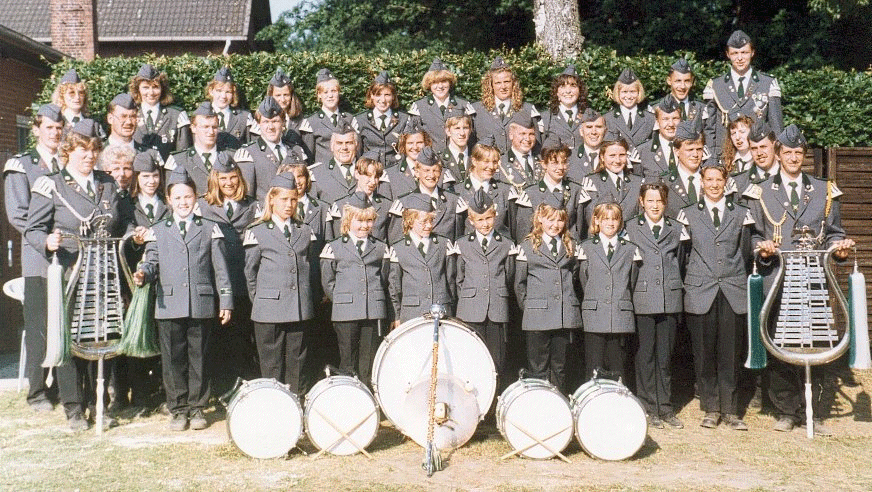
(74,27)
(15,99)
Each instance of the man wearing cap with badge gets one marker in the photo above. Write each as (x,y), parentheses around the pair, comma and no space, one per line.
(751,92)
(335,178)
(445,207)
(260,159)
(680,80)
(458,129)
(19,174)
(121,117)
(518,165)
(685,181)
(431,110)
(585,158)
(199,158)
(501,100)
(761,140)
(655,156)
(159,125)
(791,200)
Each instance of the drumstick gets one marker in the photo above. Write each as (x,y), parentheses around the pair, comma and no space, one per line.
(345,436)
(529,446)
(548,448)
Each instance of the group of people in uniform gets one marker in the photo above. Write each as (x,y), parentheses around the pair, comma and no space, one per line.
(570,230)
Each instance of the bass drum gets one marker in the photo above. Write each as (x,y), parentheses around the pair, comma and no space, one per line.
(531,409)
(341,415)
(402,367)
(609,421)
(264,419)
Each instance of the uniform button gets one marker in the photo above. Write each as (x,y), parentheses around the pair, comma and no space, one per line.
(609,301)
(656,250)
(185,284)
(657,267)
(293,270)
(293,287)
(657,282)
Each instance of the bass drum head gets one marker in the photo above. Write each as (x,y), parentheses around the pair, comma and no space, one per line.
(264,419)
(609,421)
(343,402)
(459,406)
(533,407)
(405,356)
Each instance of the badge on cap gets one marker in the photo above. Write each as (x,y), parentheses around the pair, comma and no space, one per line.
(668,104)
(792,137)
(738,39)
(759,131)
(71,77)
(87,127)
(223,75)
(51,111)
(123,100)
(280,79)
(681,66)
(383,78)
(285,181)
(178,176)
(269,107)
(428,157)
(437,66)
(499,64)
(147,72)
(590,115)
(323,75)
(224,163)
(481,202)
(204,109)
(148,161)
(522,118)
(488,141)
(628,76)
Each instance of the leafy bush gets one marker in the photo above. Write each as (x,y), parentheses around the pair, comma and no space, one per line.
(828,104)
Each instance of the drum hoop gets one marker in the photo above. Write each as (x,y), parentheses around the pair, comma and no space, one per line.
(247,387)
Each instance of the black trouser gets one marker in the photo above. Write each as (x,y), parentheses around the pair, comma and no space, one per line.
(546,355)
(184,344)
(282,351)
(35,307)
(716,336)
(605,351)
(232,352)
(656,334)
(494,337)
(358,342)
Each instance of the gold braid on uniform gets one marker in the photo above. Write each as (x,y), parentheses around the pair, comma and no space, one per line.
(776,226)
(829,199)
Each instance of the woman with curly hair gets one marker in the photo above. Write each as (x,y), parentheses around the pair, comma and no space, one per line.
(501,97)
(568,101)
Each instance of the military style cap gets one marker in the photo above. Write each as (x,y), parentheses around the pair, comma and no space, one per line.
(612,135)
(269,107)
(738,39)
(668,104)
(569,70)
(383,78)
(555,200)
(285,181)
(590,115)
(224,163)
(179,175)
(358,199)
(343,128)
(280,79)
(223,75)
(147,72)
(481,202)
(688,130)
(124,100)
(454,112)
(522,118)
(417,201)
(437,65)
(204,109)
(628,76)
(413,125)
(428,157)
(148,161)
(297,153)
(324,75)
(792,137)
(71,77)
(552,141)
(373,155)
(87,127)
(499,64)
(681,66)
(51,111)
(759,131)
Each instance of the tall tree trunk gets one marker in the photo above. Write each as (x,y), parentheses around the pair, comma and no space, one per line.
(558,27)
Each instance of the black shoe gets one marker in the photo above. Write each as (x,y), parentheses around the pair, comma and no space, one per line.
(784,424)
(41,406)
(77,422)
(198,420)
(179,422)
(710,421)
(735,423)
(654,421)
(672,421)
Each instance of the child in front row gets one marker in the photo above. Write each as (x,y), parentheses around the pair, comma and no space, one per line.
(607,270)
(186,255)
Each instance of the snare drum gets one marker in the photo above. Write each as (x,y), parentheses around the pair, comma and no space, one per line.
(264,418)
(404,360)
(340,405)
(531,409)
(609,421)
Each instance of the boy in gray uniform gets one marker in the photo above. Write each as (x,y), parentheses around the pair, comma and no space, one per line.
(655,156)
(19,173)
(567,105)
(198,159)
(501,99)
(446,208)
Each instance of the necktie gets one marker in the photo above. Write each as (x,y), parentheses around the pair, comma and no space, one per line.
(442,108)
(54,164)
(683,107)
(279,152)
(76,119)
(421,249)
(611,252)
(183,228)
(716,218)
(206,161)
(527,166)
(460,162)
(346,170)
(335,119)
(287,232)
(618,183)
(766,175)
(484,244)
(503,110)
(591,158)
(301,210)
(554,246)
(691,190)
(90,190)
(656,231)
(740,165)
(149,122)
(221,121)
(671,159)
(359,245)
(741,89)
(149,212)
(569,116)
(794,196)
(630,120)
(229,211)
(383,126)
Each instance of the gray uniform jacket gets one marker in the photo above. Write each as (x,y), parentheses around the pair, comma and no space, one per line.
(416,282)
(643,125)
(557,127)
(513,171)
(602,189)
(432,118)
(447,217)
(484,278)
(650,161)
(317,216)
(659,286)
(762,99)
(449,162)
(57,202)
(19,174)
(191,272)
(140,215)
(237,128)
(328,181)
(258,163)
(718,258)
(279,272)
(381,229)
(398,180)
(488,122)
(171,133)
(581,164)
(316,130)
(607,286)
(499,193)
(194,165)
(233,231)
(524,205)
(357,284)
(544,287)
(383,141)
(678,198)
(745,179)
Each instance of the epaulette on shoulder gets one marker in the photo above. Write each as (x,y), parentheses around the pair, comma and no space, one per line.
(637,255)
(170,163)
(518,251)
(749,219)
(461,205)
(523,200)
(685,236)
(183,119)
(413,109)
(305,126)
(587,184)
(327,252)
(250,239)
(44,186)
(452,248)
(243,155)
(391,253)
(583,196)
(148,236)
(216,232)
(397,208)
(834,190)
(14,165)
(579,253)
(753,191)
(682,217)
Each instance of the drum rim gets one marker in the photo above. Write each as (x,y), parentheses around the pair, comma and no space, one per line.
(339,380)
(254,384)
(504,403)
(579,405)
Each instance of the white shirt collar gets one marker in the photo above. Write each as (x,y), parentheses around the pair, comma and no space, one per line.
(281,223)
(522,154)
(614,177)
(684,173)
(187,220)
(376,116)
(213,152)
(489,237)
(588,151)
(83,180)
(607,241)
(786,180)
(507,103)
(47,156)
(155,110)
(147,200)
(443,102)
(665,145)
(455,151)
(328,113)
(735,77)
(69,115)
(434,194)
(627,112)
(416,240)
(476,183)
(356,240)
(546,239)
(564,109)
(552,186)
(720,204)
(304,200)
(116,140)
(651,225)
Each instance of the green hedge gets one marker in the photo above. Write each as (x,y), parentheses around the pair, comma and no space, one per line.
(832,106)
